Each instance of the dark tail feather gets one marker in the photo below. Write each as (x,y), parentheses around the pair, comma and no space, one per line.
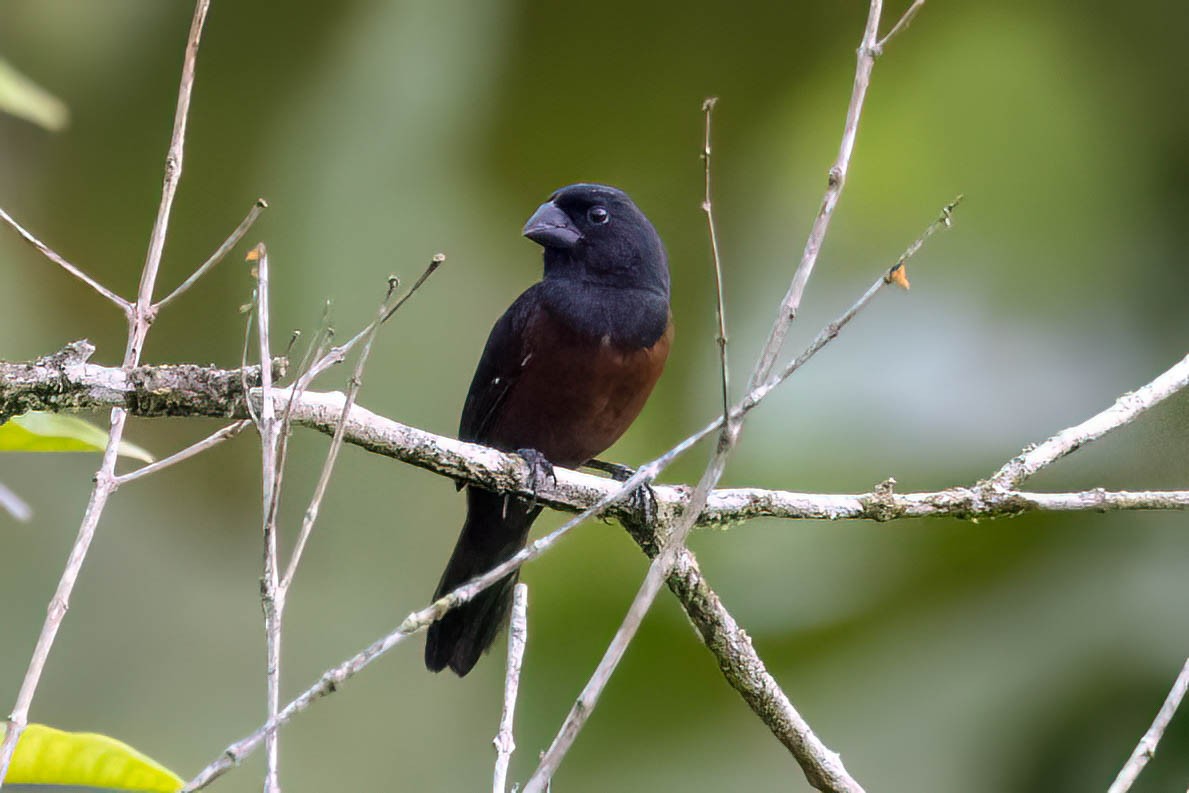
(493,532)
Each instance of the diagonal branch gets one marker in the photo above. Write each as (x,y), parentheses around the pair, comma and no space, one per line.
(901,25)
(50,254)
(835,181)
(216,257)
(1146,749)
(214,439)
(1125,410)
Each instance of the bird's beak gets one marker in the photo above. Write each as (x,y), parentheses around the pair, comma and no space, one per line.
(549,227)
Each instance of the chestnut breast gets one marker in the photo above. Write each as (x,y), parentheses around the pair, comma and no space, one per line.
(576,394)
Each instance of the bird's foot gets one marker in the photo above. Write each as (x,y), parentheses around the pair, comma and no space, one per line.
(642,499)
(540,470)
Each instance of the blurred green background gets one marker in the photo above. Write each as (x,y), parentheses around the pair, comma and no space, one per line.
(1021,655)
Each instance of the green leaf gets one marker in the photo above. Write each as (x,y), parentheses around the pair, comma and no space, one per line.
(45,756)
(23,98)
(54,432)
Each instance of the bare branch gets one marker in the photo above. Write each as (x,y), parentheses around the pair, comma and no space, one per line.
(65,382)
(339,353)
(900,26)
(505,743)
(836,180)
(173,165)
(1146,748)
(1124,411)
(140,318)
(336,442)
(708,208)
(48,253)
(742,667)
(214,439)
(217,256)
(272,597)
(189,390)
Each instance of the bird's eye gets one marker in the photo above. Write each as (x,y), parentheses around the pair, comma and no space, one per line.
(598,215)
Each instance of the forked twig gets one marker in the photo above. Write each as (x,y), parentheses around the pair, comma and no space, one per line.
(139,320)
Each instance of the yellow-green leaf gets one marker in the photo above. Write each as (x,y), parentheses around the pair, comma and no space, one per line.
(55,432)
(45,756)
(23,98)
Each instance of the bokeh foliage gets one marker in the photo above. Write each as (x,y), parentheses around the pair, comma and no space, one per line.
(1024,655)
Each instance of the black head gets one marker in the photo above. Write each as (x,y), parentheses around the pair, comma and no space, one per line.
(594,233)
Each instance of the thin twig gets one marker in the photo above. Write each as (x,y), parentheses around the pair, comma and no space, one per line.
(708,208)
(1125,410)
(271,594)
(214,439)
(173,167)
(505,743)
(827,334)
(835,181)
(140,318)
(336,444)
(339,353)
(216,257)
(901,25)
(435,261)
(49,253)
(295,391)
(1146,748)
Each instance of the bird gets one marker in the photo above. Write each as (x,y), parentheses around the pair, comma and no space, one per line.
(565,371)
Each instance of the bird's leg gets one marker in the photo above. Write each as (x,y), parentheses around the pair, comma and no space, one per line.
(643,499)
(539,470)
(620,473)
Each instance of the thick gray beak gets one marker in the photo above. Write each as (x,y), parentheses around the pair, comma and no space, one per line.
(549,227)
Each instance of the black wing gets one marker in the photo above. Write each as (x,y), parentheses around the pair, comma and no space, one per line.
(503,359)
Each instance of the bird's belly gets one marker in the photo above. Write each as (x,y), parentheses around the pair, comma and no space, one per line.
(578,399)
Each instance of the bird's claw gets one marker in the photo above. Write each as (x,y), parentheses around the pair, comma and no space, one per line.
(642,499)
(540,470)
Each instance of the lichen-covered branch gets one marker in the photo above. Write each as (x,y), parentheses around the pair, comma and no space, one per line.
(66,381)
